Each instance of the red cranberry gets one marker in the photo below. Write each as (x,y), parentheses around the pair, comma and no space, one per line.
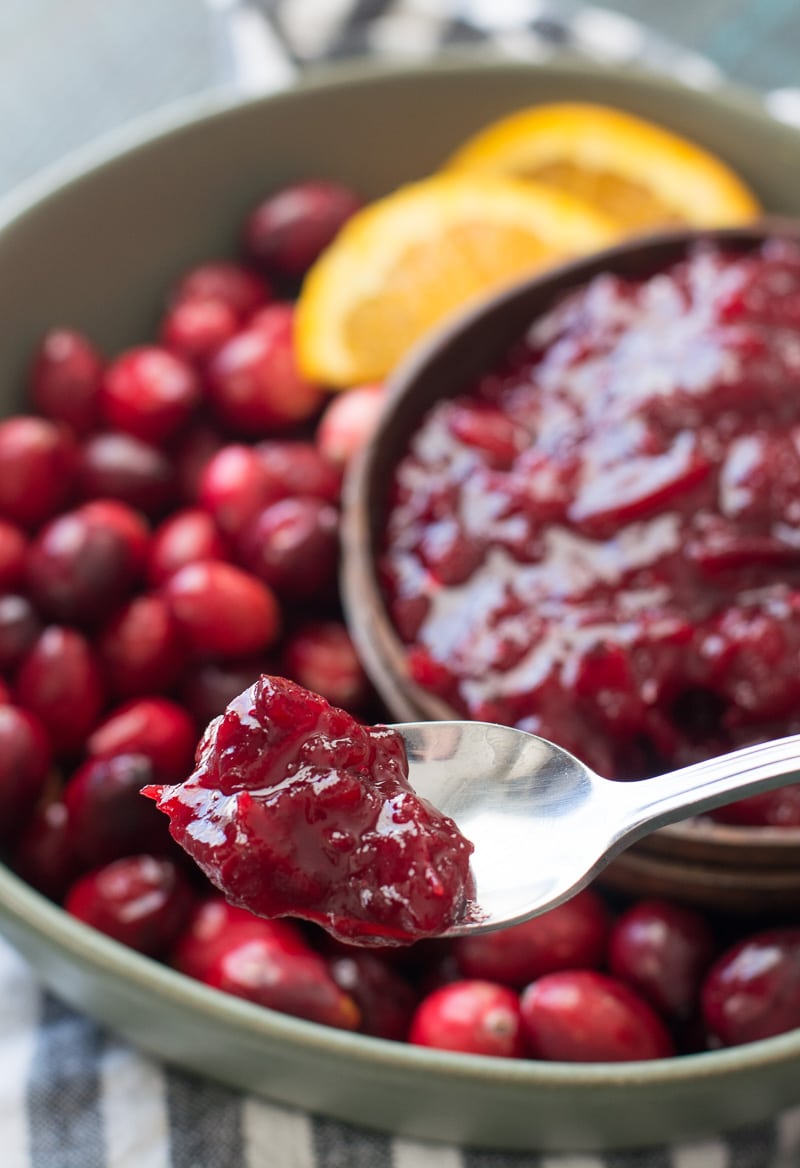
(215,926)
(119,466)
(212,685)
(184,538)
(254,383)
(579,1016)
(13,550)
(385,1000)
(235,486)
(265,971)
(65,379)
(155,727)
(43,856)
(108,818)
(24,764)
(37,462)
(233,285)
(349,422)
(194,329)
(60,681)
(571,936)
(298,468)
(662,950)
(193,452)
(5,694)
(141,650)
(138,900)
(321,657)
(476,1017)
(19,628)
(293,546)
(80,566)
(288,230)
(753,990)
(150,393)
(221,610)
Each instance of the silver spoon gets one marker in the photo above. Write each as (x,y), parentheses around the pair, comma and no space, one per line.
(543,824)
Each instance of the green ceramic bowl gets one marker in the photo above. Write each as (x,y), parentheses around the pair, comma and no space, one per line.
(94,244)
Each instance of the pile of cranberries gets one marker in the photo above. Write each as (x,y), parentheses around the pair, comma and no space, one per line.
(168,534)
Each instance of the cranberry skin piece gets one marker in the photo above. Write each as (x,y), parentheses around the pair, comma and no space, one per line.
(233,285)
(192,454)
(37,465)
(155,727)
(65,380)
(119,466)
(580,1016)
(573,935)
(212,685)
(150,393)
(662,950)
(108,818)
(215,926)
(19,628)
(60,681)
(43,856)
(385,1000)
(256,968)
(140,901)
(194,329)
(13,551)
(753,990)
(222,611)
(140,649)
(298,468)
(24,764)
(321,657)
(293,546)
(254,382)
(349,422)
(235,486)
(183,538)
(288,230)
(475,1017)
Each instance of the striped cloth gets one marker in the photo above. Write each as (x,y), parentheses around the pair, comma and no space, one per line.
(73,1096)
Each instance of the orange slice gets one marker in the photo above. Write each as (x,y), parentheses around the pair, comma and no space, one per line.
(638,172)
(405,262)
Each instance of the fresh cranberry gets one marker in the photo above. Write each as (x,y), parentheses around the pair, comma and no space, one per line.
(119,466)
(349,422)
(753,990)
(571,936)
(233,285)
(193,452)
(298,468)
(65,382)
(385,1000)
(184,538)
(108,818)
(321,657)
(155,727)
(288,230)
(293,546)
(24,764)
(19,628)
(214,927)
(289,776)
(13,551)
(662,950)
(150,393)
(128,523)
(60,680)
(80,567)
(37,462)
(475,1017)
(140,649)
(254,383)
(222,611)
(580,1016)
(138,900)
(194,329)
(43,854)
(235,486)
(212,685)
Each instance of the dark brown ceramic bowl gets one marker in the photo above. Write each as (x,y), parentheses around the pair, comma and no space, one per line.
(735,869)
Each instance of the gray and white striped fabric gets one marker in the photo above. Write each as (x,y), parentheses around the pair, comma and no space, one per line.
(73,1096)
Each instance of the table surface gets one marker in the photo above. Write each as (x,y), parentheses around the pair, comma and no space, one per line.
(72,69)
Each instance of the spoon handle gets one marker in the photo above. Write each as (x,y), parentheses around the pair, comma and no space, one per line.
(704,785)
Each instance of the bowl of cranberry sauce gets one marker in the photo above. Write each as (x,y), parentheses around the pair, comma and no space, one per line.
(582,517)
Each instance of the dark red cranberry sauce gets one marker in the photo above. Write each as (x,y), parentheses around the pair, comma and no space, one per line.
(599,541)
(295,808)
